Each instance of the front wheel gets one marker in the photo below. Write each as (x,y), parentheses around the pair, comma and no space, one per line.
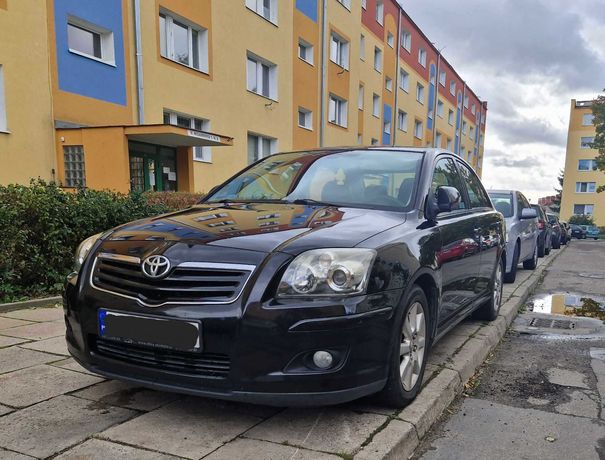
(409,352)
(511,276)
(557,243)
(489,310)
(532,263)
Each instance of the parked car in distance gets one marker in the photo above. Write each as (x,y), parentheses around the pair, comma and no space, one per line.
(578,232)
(309,278)
(521,230)
(545,235)
(592,231)
(567,232)
(557,232)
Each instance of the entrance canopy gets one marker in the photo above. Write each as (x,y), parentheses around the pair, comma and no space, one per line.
(175,136)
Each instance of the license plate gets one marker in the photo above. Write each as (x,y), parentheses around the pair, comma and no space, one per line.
(151,331)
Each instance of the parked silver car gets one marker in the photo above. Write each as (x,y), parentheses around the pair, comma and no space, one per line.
(521,229)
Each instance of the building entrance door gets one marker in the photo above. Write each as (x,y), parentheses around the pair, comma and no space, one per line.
(152,168)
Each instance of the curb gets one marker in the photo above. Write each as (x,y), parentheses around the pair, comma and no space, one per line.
(45,302)
(400,438)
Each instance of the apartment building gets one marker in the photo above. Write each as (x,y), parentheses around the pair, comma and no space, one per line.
(581,178)
(129,94)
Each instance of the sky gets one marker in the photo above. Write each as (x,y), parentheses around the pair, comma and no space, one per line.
(527,59)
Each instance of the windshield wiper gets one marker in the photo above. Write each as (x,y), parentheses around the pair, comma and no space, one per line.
(310,201)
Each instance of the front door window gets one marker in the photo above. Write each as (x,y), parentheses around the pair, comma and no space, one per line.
(152,168)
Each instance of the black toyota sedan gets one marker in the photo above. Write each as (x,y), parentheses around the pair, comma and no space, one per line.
(309,278)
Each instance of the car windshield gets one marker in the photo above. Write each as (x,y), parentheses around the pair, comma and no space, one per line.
(374,178)
(552,219)
(503,202)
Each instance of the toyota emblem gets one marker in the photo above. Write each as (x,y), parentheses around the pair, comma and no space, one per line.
(155,266)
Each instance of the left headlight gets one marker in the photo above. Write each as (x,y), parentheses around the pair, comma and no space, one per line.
(83,250)
(327,272)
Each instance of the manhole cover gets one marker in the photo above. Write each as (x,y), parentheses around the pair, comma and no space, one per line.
(552,323)
(595,276)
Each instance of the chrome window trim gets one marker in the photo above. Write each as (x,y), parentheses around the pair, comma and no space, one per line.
(213,265)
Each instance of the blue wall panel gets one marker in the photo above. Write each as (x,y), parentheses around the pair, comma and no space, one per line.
(387,116)
(308,8)
(431,104)
(79,74)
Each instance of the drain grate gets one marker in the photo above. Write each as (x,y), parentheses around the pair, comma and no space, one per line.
(552,323)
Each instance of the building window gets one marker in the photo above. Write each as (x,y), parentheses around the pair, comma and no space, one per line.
(261,76)
(450,118)
(464,127)
(422,57)
(364,4)
(471,132)
(260,147)
(386,127)
(380,12)
(586,187)
(420,93)
(388,83)
(3,118)
(587,119)
(305,118)
(586,142)
(442,78)
(377,59)
(406,40)
(265,8)
(362,47)
(376,105)
(359,139)
(390,40)
(438,140)
(345,3)
(466,102)
(404,80)
(360,97)
(73,161)
(200,153)
(183,42)
(305,51)
(481,139)
(339,51)
(337,111)
(402,121)
(440,108)
(418,129)
(581,209)
(90,41)
(474,109)
(587,165)
(453,88)
(374,141)
(448,144)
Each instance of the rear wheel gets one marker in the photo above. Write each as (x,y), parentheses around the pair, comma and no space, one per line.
(542,247)
(556,243)
(532,263)
(511,276)
(489,310)
(409,352)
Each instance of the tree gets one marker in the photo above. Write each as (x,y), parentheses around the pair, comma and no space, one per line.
(581,219)
(598,112)
(556,203)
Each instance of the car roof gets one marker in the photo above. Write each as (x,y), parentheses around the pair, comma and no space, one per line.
(502,191)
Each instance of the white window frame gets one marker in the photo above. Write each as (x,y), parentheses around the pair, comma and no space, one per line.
(345,3)
(404,80)
(402,121)
(388,84)
(440,108)
(362,47)
(584,213)
(167,40)
(422,57)
(464,127)
(386,127)
(591,166)
(360,97)
(338,111)
(390,40)
(377,59)
(406,40)
(588,187)
(442,78)
(376,105)
(105,37)
(308,47)
(418,129)
(380,12)
(466,101)
(587,119)
(474,109)
(339,50)
(450,117)
(3,111)
(200,153)
(420,93)
(364,4)
(308,116)
(260,144)
(259,76)
(453,88)
(584,144)
(258,7)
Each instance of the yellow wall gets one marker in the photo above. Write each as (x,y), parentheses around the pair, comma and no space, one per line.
(27,150)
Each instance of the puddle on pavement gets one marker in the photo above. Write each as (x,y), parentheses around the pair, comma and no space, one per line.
(569,305)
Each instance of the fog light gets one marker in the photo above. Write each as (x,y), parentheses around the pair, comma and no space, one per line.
(323,359)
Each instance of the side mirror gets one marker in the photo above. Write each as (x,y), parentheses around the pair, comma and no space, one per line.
(528,213)
(448,198)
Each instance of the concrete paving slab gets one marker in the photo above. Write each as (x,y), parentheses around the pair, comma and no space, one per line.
(123,394)
(98,449)
(36,314)
(52,426)
(581,403)
(190,427)
(15,358)
(34,384)
(598,367)
(254,449)
(6,341)
(72,365)
(396,441)
(37,331)
(485,429)
(54,345)
(4,410)
(9,455)
(330,429)
(566,378)
(7,323)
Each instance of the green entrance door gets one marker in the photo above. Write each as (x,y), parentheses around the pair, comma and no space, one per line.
(152,168)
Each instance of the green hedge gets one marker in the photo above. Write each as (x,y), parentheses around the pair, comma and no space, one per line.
(41,225)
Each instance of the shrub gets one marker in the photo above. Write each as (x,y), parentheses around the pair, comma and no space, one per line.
(581,220)
(41,225)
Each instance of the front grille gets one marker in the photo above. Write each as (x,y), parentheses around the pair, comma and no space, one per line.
(199,284)
(198,364)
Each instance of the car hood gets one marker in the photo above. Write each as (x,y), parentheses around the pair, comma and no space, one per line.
(263,227)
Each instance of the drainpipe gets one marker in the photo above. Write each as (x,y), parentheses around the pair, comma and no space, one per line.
(436,96)
(395,116)
(461,119)
(139,59)
(324,73)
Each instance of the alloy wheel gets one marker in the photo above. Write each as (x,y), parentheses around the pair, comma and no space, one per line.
(412,346)
(498,284)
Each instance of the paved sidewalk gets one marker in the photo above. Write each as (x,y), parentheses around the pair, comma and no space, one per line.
(51,407)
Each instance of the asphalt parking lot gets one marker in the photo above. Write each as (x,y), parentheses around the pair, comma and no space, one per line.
(50,407)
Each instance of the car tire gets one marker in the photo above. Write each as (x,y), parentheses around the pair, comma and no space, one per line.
(409,352)
(512,275)
(557,244)
(532,263)
(542,248)
(489,310)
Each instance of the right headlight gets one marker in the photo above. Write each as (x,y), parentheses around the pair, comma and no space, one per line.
(83,250)
(327,272)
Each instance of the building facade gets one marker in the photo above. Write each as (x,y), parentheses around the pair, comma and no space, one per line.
(127,94)
(581,178)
